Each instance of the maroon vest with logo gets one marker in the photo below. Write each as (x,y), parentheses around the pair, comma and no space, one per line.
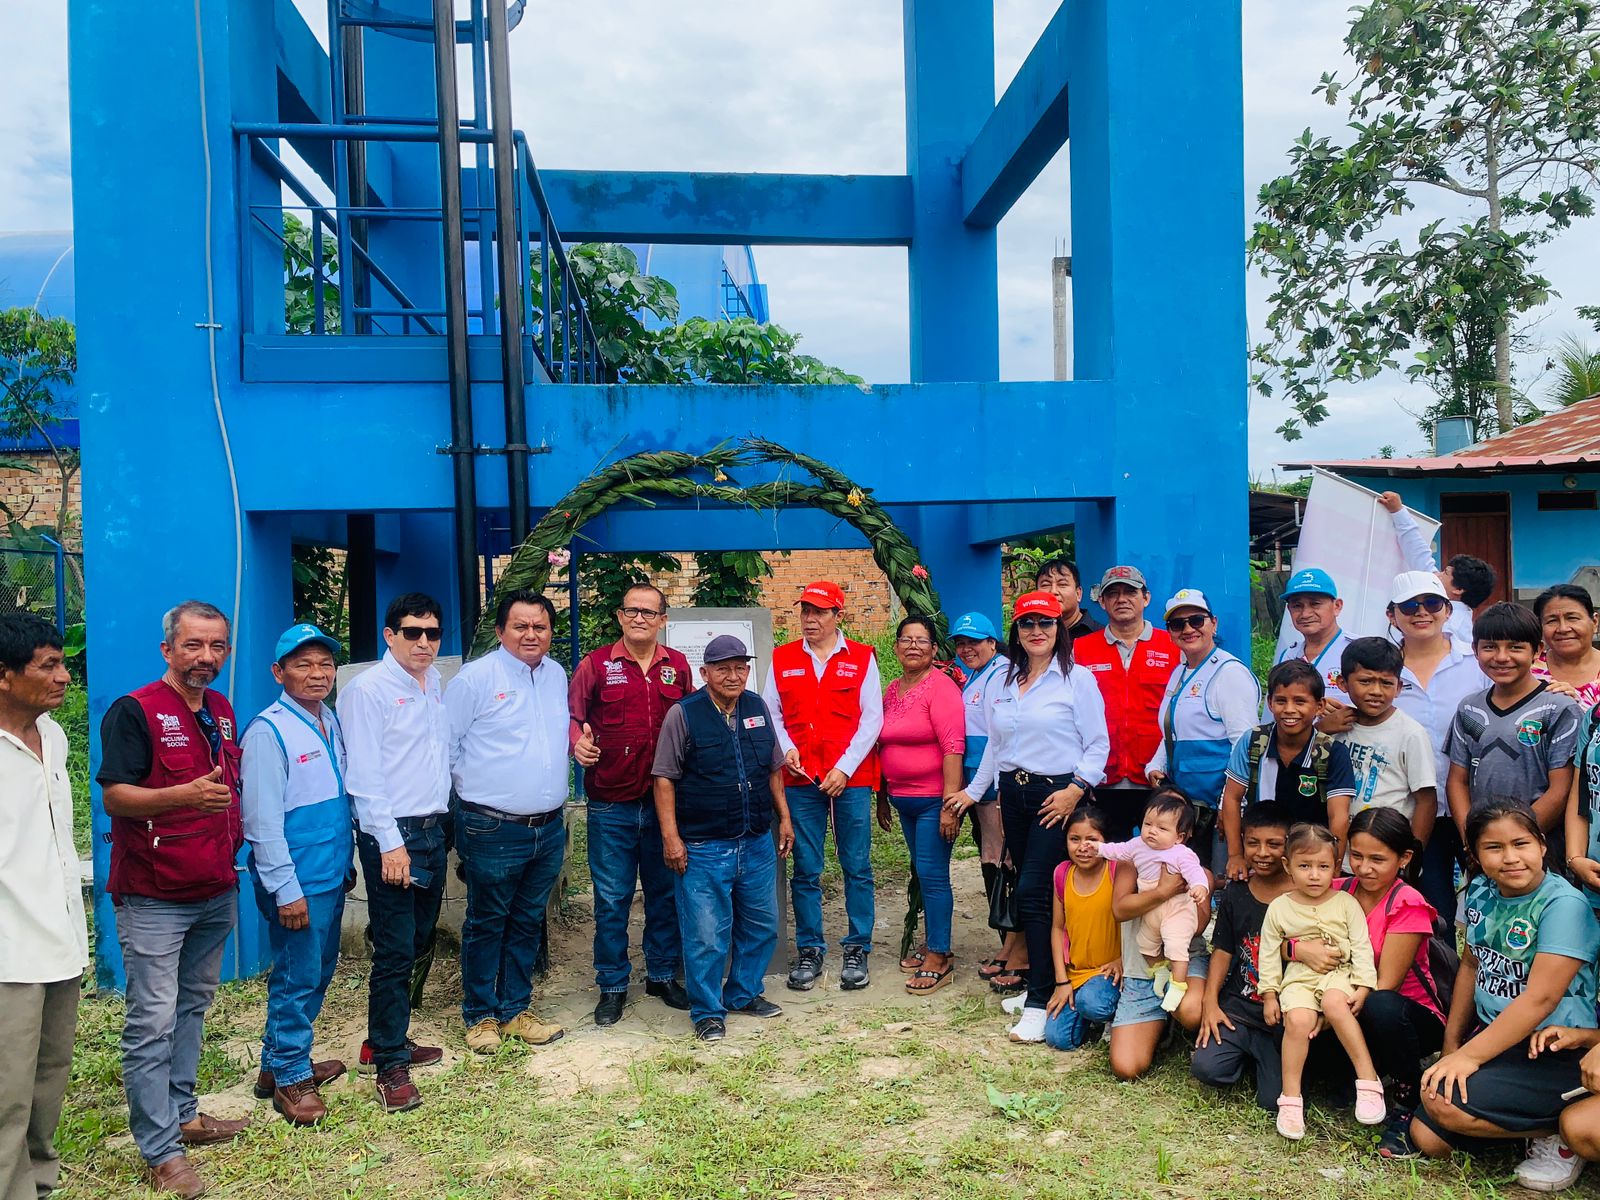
(183,855)
(626,709)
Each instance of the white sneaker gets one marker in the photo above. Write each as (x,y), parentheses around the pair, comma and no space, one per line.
(1015,1004)
(1550,1166)
(1030,1027)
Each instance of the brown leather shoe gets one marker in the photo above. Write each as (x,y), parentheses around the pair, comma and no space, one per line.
(176,1177)
(300,1103)
(321,1073)
(209,1131)
(527,1027)
(396,1092)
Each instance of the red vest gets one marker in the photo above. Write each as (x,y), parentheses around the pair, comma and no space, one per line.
(822,715)
(625,707)
(183,855)
(1132,697)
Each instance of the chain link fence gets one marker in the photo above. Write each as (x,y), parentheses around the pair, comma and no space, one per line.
(47,583)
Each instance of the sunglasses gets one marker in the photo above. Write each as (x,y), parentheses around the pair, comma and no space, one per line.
(1431,604)
(1037,623)
(1194,621)
(415,633)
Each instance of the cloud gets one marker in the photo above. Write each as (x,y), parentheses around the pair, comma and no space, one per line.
(35,172)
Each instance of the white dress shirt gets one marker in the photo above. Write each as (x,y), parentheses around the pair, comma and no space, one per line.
(397,737)
(867,731)
(1434,707)
(1058,727)
(42,934)
(508,733)
(1417,551)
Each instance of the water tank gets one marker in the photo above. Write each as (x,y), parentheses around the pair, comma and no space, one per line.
(1452,434)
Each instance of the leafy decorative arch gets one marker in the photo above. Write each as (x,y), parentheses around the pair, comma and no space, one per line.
(644,477)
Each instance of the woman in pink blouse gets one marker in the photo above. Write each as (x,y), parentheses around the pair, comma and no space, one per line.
(1568,662)
(924,734)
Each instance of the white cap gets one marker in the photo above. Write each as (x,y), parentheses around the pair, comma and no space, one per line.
(1186,598)
(1408,585)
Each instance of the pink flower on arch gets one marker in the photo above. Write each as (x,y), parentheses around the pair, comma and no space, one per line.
(559,557)
(919,572)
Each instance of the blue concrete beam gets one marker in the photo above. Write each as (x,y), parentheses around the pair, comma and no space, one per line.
(1023,132)
(714,208)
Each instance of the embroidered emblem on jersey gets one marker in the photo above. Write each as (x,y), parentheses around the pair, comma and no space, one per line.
(1308,785)
(226,726)
(669,675)
(1528,731)
(1519,934)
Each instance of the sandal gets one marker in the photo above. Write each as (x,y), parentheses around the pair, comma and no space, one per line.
(1009,981)
(912,962)
(940,978)
(990,967)
(1292,1117)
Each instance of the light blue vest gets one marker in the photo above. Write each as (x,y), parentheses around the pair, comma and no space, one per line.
(1197,741)
(316,807)
(975,695)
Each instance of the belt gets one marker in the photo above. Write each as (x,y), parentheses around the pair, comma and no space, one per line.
(427,822)
(532,822)
(1024,778)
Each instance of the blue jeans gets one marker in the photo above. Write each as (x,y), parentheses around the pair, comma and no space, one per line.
(1095,1001)
(303,962)
(403,921)
(852,837)
(930,856)
(173,957)
(728,910)
(624,850)
(510,871)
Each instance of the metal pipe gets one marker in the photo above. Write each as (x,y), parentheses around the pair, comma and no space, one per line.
(511,265)
(455,301)
(351,276)
(354,133)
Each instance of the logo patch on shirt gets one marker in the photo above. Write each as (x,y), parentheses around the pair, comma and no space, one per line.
(1308,785)
(755,722)
(1519,934)
(1194,689)
(1159,658)
(1098,666)
(506,695)
(1336,679)
(669,675)
(226,726)
(615,671)
(790,674)
(170,723)
(1528,731)
(309,756)
(399,700)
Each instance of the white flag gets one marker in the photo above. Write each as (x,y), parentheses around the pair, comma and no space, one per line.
(1350,535)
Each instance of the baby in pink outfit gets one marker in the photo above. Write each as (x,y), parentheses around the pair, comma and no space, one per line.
(1171,925)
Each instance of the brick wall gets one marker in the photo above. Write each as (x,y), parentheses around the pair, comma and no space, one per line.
(34,497)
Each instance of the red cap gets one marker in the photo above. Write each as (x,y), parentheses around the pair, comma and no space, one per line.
(1042,604)
(822,594)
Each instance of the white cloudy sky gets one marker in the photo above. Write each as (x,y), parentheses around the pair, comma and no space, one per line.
(814,85)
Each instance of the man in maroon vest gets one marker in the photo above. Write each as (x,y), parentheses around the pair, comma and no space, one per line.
(826,701)
(169,779)
(618,697)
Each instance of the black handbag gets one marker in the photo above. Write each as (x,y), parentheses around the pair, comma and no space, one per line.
(1003,901)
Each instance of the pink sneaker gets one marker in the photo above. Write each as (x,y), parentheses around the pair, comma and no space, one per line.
(1371,1108)
(1292,1117)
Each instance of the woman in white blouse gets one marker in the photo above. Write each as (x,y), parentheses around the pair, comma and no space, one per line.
(1047,747)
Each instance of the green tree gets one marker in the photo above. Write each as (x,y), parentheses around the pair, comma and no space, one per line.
(300,271)
(1491,105)
(38,360)
(1577,372)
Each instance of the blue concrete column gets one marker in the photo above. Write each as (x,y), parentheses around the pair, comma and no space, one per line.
(955,324)
(424,563)
(967,577)
(1158,287)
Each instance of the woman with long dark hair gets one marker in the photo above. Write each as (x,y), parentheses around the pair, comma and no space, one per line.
(1047,746)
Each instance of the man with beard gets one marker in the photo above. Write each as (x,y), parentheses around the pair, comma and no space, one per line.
(169,778)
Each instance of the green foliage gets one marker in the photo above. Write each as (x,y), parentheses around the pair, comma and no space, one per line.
(321,580)
(300,270)
(743,350)
(1022,558)
(1033,1108)
(621,300)
(1577,370)
(73,717)
(1494,102)
(38,360)
(606,578)
(729,578)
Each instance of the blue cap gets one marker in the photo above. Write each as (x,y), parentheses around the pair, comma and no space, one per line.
(1311,582)
(973,625)
(299,635)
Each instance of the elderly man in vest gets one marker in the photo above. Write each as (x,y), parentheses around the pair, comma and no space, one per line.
(44,949)
(1132,662)
(618,698)
(718,786)
(297,823)
(826,702)
(169,779)
(508,757)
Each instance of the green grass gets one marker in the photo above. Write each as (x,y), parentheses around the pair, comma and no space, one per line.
(73,716)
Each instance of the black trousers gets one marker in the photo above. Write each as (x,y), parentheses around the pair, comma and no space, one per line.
(1400,1033)
(1123,807)
(403,922)
(1035,853)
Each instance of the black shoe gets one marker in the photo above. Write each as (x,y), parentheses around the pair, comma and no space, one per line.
(853,974)
(710,1029)
(670,992)
(761,1007)
(807,966)
(609,1010)
(1396,1142)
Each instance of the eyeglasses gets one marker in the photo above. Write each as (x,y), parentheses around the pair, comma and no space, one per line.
(415,633)
(640,614)
(910,643)
(1194,621)
(1432,604)
(1030,623)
